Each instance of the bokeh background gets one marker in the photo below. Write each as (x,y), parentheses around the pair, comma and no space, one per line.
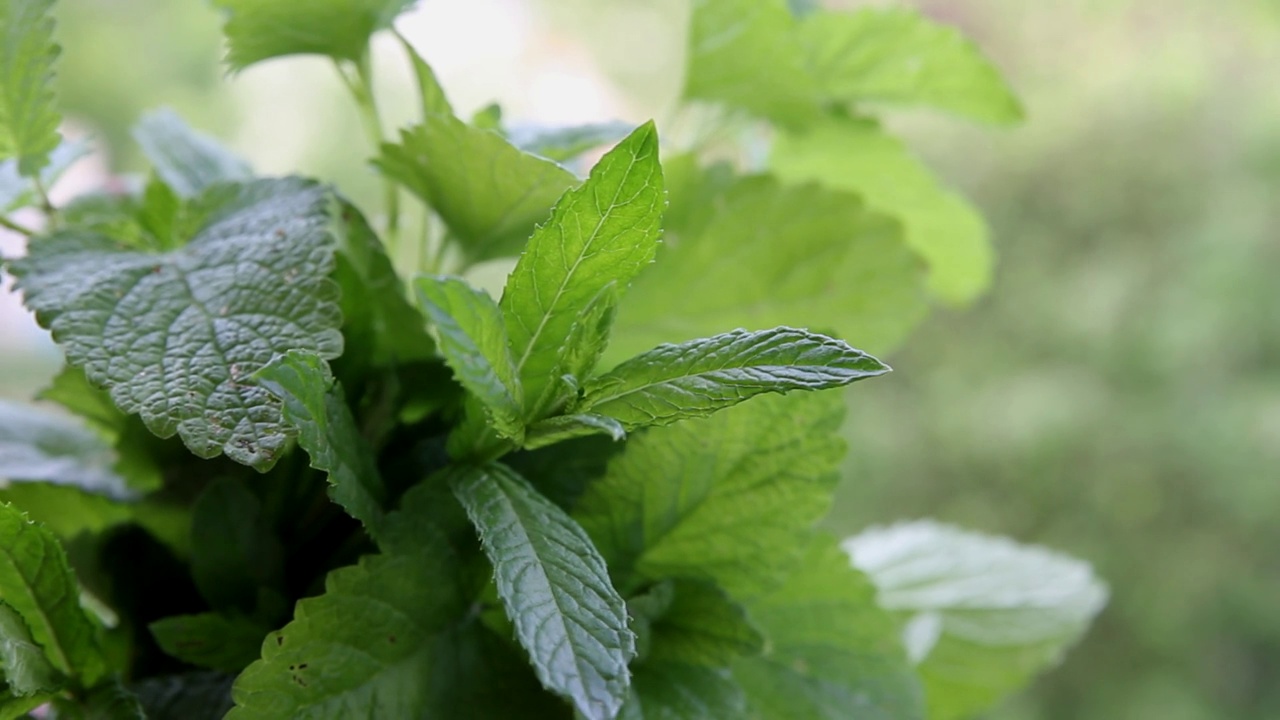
(1117,393)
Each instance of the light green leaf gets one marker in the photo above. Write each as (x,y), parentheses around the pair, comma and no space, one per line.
(729,498)
(578,356)
(744,53)
(488,192)
(37,446)
(188,161)
(176,336)
(434,99)
(23,665)
(234,550)
(699,377)
(983,614)
(567,427)
(833,653)
(474,342)
(749,252)
(898,55)
(672,691)
(314,405)
(565,143)
(555,587)
(16,708)
(37,582)
(702,626)
(17,191)
(210,640)
(602,233)
(854,155)
(28,115)
(258,30)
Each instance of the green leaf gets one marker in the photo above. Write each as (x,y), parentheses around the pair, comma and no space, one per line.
(37,582)
(702,626)
(314,405)
(833,653)
(854,155)
(259,30)
(23,665)
(190,696)
(897,55)
(561,472)
(210,640)
(112,701)
(744,53)
(601,233)
(751,253)
(68,511)
(36,446)
(365,648)
(189,162)
(697,378)
(234,550)
(18,192)
(578,356)
(555,587)
(434,99)
(672,691)
(489,193)
(176,336)
(16,708)
(729,498)
(983,614)
(474,342)
(565,143)
(28,115)
(567,427)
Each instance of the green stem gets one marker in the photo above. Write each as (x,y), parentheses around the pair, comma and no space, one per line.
(50,211)
(20,229)
(361,87)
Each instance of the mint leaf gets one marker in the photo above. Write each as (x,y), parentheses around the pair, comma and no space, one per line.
(210,640)
(17,191)
(316,408)
(730,498)
(833,653)
(565,143)
(700,377)
(188,161)
(567,427)
(898,55)
(578,356)
(488,192)
(744,53)
(702,626)
(36,446)
(983,614)
(672,691)
(434,99)
(28,116)
(23,665)
(555,587)
(176,336)
(749,252)
(474,342)
(854,155)
(37,582)
(259,30)
(601,233)
(234,550)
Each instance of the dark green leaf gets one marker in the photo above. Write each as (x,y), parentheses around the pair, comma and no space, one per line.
(488,192)
(188,161)
(176,336)
(39,446)
(566,143)
(210,640)
(702,626)
(28,116)
(258,30)
(983,614)
(672,691)
(234,551)
(729,498)
(112,701)
(555,587)
(189,696)
(700,377)
(23,665)
(602,233)
(567,427)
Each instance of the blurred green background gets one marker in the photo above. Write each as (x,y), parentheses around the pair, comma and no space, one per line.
(1117,393)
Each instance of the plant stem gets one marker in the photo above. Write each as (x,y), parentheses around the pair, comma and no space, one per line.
(361,87)
(11,225)
(50,211)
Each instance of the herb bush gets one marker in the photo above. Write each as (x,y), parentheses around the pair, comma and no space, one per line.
(288,483)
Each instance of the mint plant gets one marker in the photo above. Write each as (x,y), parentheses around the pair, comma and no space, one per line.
(304,468)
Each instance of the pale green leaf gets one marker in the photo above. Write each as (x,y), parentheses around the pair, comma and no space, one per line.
(474,342)
(568,427)
(17,191)
(555,587)
(37,446)
(489,193)
(434,99)
(23,665)
(28,115)
(702,626)
(234,550)
(176,336)
(751,253)
(258,30)
(188,161)
(602,233)
(565,143)
(314,405)
(943,228)
(37,582)
(730,498)
(672,691)
(897,55)
(983,614)
(578,356)
(210,640)
(833,654)
(700,377)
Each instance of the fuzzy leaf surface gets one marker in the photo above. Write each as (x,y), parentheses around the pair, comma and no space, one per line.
(37,446)
(555,587)
(28,114)
(188,161)
(699,377)
(176,336)
(259,30)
